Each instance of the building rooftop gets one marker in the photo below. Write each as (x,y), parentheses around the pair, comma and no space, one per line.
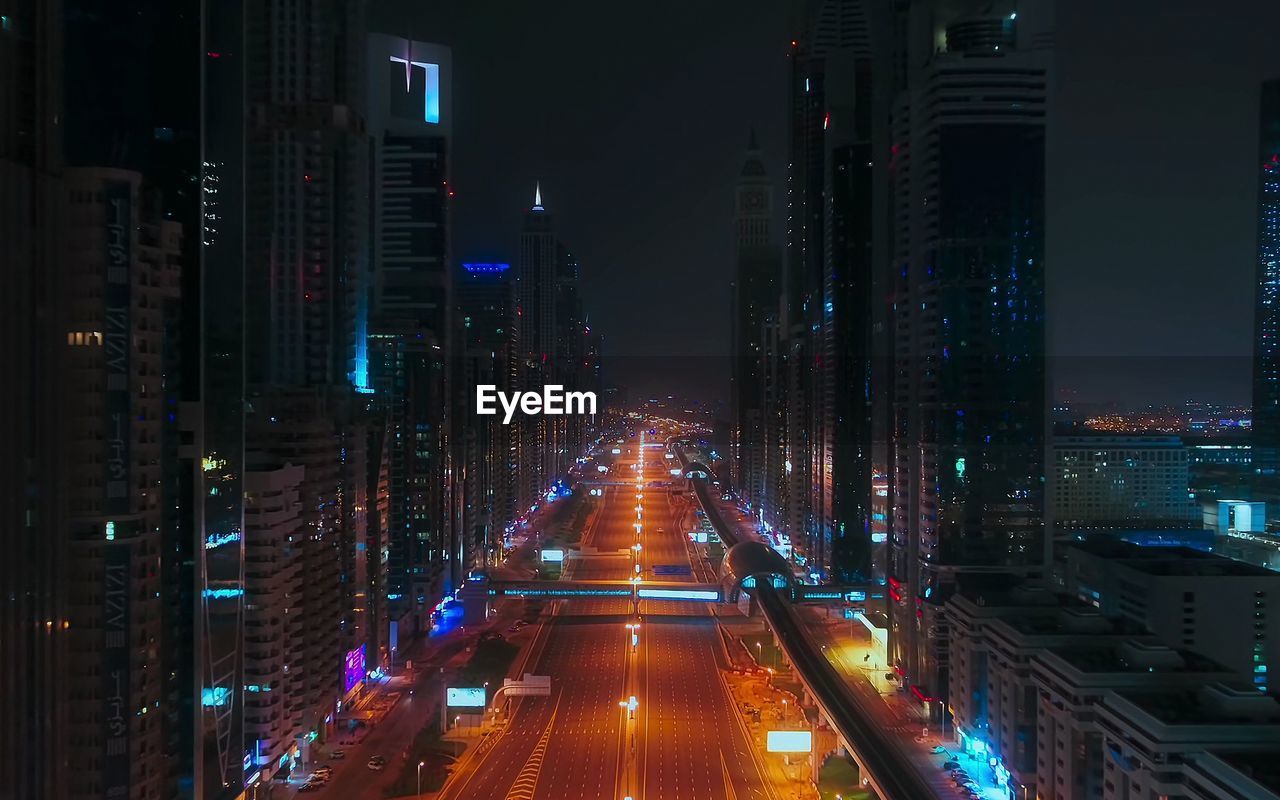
(1078,619)
(1210,704)
(1102,439)
(1132,657)
(1261,767)
(1168,561)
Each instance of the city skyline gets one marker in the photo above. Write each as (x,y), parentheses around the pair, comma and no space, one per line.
(862,399)
(546,136)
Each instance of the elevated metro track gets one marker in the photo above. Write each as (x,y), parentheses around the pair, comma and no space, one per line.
(883,762)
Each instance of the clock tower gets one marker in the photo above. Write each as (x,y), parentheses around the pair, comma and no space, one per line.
(753,212)
(756,288)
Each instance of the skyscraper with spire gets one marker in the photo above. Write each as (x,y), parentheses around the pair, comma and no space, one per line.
(535,346)
(551,339)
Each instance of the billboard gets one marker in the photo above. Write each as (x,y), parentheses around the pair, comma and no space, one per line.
(679,594)
(553,555)
(464,698)
(789,741)
(353,668)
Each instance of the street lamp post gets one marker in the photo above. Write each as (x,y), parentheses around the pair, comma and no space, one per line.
(420,765)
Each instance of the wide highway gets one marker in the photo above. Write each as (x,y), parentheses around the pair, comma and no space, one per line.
(683,740)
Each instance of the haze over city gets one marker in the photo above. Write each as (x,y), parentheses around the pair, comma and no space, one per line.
(764,400)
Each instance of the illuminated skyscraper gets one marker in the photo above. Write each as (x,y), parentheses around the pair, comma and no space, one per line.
(486,311)
(535,347)
(1266,337)
(969,395)
(551,340)
(306,179)
(411,339)
(835,193)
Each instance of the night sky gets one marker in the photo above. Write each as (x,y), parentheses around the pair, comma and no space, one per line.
(636,123)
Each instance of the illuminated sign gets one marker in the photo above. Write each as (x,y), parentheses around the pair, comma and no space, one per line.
(555,556)
(430,87)
(679,594)
(617,452)
(464,698)
(789,741)
(486,268)
(353,668)
(520,591)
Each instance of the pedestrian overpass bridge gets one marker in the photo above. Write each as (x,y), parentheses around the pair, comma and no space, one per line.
(727,590)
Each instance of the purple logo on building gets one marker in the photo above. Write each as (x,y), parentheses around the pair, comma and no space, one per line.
(353,672)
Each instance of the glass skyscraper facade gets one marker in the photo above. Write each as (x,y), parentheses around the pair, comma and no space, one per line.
(1266,338)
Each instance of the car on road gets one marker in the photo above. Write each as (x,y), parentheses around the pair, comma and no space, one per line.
(937,748)
(338,755)
(309,787)
(951,764)
(489,636)
(377,763)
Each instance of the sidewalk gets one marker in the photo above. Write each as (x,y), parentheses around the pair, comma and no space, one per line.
(846,647)
(901,715)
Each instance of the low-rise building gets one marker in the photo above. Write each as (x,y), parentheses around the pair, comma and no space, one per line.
(1072,681)
(1120,481)
(994,700)
(1157,742)
(1189,599)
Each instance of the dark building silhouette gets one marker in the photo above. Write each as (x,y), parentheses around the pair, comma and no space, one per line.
(1266,336)
(756,288)
(968,259)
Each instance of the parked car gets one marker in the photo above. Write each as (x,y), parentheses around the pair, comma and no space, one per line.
(951,763)
(937,748)
(489,636)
